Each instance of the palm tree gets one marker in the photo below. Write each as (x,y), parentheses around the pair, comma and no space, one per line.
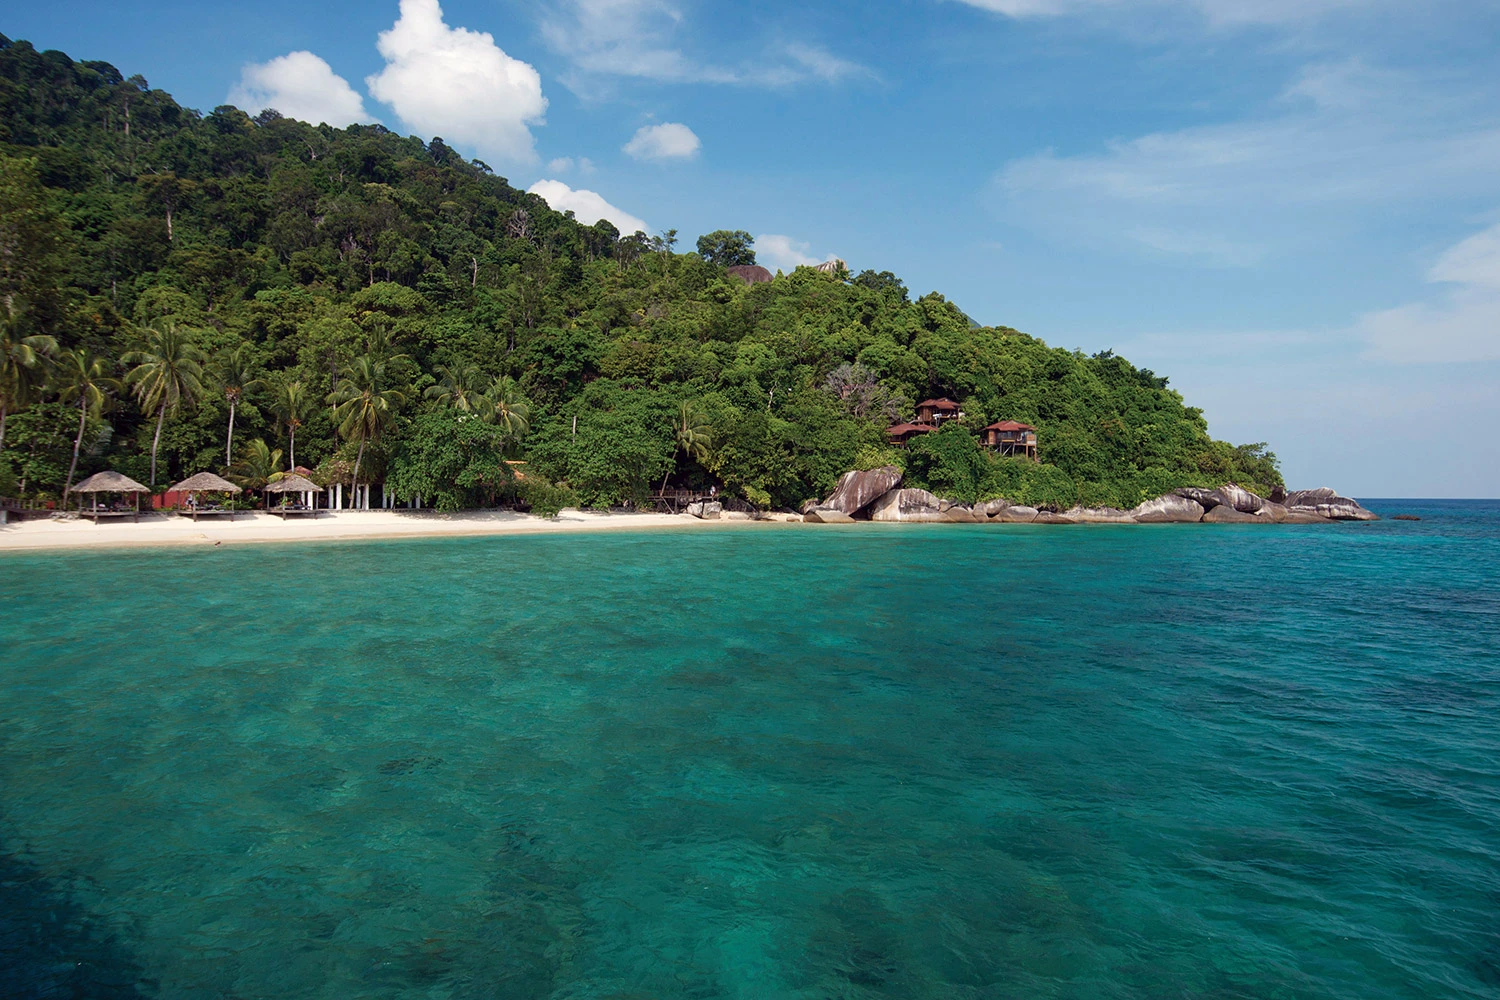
(293,406)
(693,435)
(511,411)
(236,376)
(82,379)
(168,375)
(460,388)
(258,465)
(362,409)
(22,364)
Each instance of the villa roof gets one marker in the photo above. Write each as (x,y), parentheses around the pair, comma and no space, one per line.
(292,484)
(896,429)
(206,481)
(939,404)
(110,482)
(1009,425)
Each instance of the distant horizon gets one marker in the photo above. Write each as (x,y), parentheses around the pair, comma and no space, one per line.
(1292,211)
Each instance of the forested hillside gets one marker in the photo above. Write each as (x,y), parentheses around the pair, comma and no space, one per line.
(371,300)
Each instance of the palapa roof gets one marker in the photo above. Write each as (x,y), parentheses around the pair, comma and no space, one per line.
(292,484)
(205,481)
(1009,425)
(110,482)
(938,404)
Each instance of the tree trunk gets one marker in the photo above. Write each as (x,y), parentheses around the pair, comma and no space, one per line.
(291,462)
(357,459)
(161,416)
(83,414)
(229,441)
(2,426)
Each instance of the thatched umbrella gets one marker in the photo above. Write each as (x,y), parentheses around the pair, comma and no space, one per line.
(291,483)
(111,482)
(206,482)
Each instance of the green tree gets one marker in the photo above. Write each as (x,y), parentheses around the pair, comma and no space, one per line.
(451,459)
(693,434)
(509,409)
(82,378)
(259,464)
(363,408)
(168,375)
(22,367)
(461,387)
(234,373)
(727,248)
(292,404)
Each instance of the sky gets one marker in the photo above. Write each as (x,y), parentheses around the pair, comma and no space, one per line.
(1291,208)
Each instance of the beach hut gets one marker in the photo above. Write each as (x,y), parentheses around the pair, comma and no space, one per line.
(1011,438)
(935,411)
(204,482)
(292,484)
(899,434)
(110,482)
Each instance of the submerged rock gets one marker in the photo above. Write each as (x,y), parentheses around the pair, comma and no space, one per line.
(820,515)
(906,505)
(1169,509)
(857,490)
(1325,502)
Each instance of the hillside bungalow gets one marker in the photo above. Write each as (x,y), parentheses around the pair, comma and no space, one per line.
(935,411)
(899,434)
(1010,438)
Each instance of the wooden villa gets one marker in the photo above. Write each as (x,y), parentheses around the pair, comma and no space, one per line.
(934,411)
(899,434)
(1008,437)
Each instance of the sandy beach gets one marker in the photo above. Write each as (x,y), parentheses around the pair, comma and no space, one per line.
(248,527)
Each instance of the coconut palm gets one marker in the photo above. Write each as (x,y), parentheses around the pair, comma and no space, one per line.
(692,434)
(460,388)
(83,378)
(167,376)
(23,363)
(259,464)
(235,375)
(362,409)
(293,406)
(509,408)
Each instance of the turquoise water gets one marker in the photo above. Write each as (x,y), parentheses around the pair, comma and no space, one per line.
(924,761)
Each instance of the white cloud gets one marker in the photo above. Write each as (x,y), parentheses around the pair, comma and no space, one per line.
(1344,145)
(1461,324)
(561,165)
(640,39)
(1217,12)
(785,253)
(458,84)
(667,141)
(587,206)
(299,85)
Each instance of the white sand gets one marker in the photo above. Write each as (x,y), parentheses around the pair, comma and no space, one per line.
(172,529)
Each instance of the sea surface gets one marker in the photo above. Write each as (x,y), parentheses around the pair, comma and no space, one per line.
(935,761)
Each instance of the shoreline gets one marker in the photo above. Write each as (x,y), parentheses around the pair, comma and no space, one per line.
(251,527)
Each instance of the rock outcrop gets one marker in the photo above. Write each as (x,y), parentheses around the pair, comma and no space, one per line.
(1229,495)
(1170,509)
(959,514)
(857,490)
(708,510)
(991,508)
(1225,514)
(1016,514)
(1047,517)
(1099,515)
(906,505)
(1324,502)
(819,515)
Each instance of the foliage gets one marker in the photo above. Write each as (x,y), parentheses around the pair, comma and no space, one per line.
(374,288)
(453,460)
(543,498)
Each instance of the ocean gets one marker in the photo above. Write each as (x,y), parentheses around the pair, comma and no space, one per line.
(895,761)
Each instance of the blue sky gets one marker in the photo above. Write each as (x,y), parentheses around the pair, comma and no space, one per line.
(1289,207)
